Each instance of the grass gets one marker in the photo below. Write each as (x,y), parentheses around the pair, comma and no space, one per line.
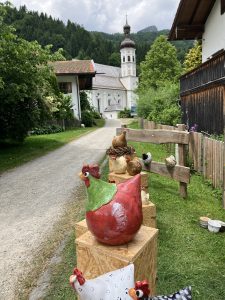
(14,155)
(187,253)
(134,125)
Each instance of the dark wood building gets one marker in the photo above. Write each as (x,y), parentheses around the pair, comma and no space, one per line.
(202,90)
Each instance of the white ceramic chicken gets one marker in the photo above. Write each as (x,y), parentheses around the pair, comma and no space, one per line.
(110,286)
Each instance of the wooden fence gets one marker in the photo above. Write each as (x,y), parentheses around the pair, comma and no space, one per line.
(207,157)
(179,136)
(206,154)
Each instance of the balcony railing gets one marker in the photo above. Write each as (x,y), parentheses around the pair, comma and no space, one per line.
(211,71)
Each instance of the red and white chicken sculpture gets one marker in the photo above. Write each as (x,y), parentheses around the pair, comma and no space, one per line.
(113,212)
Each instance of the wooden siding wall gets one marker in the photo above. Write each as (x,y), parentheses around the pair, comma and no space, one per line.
(205,153)
(207,73)
(205,109)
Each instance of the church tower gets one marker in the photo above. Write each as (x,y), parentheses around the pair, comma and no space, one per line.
(128,69)
(128,57)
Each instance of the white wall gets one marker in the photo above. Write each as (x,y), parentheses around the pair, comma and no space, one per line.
(106,95)
(130,84)
(111,115)
(75,93)
(213,38)
(128,68)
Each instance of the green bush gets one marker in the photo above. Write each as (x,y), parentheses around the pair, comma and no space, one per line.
(87,118)
(125,113)
(46,130)
(160,105)
(95,114)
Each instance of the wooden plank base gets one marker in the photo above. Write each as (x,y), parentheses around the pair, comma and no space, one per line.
(80,228)
(149,215)
(95,259)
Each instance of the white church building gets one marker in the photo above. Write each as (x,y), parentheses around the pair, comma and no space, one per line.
(113,87)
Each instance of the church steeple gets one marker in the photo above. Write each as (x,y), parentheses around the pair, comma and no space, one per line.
(127,42)
(127,50)
(126,29)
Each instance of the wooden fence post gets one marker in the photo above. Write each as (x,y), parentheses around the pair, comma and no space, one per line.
(141,123)
(182,162)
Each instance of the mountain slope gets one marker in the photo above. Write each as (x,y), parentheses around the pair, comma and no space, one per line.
(78,42)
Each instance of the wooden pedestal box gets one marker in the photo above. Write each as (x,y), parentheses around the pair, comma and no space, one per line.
(149,214)
(95,259)
(80,228)
(118,178)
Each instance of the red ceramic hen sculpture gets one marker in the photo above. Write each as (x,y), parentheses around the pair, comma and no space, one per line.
(113,212)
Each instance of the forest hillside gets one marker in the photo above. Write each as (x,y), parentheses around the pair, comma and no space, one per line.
(80,43)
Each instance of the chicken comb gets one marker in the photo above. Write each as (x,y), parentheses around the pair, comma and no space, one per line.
(79,275)
(92,169)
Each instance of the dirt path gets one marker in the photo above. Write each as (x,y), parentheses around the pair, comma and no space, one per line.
(32,198)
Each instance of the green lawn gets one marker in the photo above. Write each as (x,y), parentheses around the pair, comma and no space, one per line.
(34,146)
(187,253)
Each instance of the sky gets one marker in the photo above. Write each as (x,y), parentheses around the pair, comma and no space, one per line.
(108,15)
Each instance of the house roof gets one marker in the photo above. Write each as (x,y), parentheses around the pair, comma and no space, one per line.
(107,82)
(84,69)
(107,77)
(105,70)
(74,67)
(190,19)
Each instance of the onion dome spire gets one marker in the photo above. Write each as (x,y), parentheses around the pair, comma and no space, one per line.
(127,42)
(126,29)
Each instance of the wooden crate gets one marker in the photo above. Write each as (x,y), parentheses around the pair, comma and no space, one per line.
(149,215)
(80,228)
(118,178)
(95,259)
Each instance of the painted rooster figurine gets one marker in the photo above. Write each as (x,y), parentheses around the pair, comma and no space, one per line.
(142,291)
(113,212)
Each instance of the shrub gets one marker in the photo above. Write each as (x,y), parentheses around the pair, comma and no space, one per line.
(47,129)
(160,105)
(87,118)
(124,113)
(95,114)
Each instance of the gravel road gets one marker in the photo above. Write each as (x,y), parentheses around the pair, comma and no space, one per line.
(32,198)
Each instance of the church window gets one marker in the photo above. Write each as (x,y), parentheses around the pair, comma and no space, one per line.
(222,7)
(109,102)
(123,58)
(128,58)
(133,58)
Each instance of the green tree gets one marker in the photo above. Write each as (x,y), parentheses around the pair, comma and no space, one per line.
(84,103)
(160,105)
(26,83)
(114,59)
(160,65)
(193,58)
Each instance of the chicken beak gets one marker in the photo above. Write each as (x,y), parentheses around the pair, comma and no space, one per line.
(132,293)
(81,175)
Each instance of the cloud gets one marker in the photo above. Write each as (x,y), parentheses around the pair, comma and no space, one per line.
(108,15)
